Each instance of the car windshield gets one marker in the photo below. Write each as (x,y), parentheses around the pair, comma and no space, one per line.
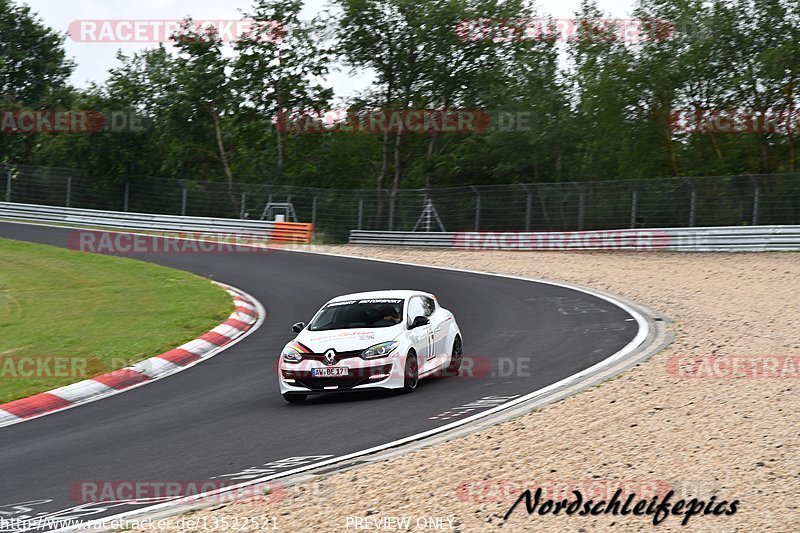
(372,313)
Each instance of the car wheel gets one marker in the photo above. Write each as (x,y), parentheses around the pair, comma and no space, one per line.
(295,398)
(455,358)
(411,373)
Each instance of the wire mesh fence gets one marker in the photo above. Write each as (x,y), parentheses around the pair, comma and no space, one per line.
(656,203)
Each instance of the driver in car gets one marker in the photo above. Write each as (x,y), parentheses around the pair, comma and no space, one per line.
(390,314)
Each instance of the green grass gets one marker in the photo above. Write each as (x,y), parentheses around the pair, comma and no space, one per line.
(114,311)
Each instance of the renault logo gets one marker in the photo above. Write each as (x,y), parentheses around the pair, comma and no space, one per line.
(330,357)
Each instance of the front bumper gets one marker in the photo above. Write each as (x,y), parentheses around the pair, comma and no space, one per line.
(383,373)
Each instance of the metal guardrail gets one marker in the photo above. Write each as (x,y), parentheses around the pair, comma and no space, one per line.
(715,239)
(718,201)
(272,231)
(710,239)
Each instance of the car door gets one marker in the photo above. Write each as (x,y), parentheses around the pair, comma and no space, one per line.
(438,318)
(421,337)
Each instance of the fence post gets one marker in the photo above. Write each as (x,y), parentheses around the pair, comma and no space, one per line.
(427,201)
(756,199)
(314,211)
(692,202)
(581,197)
(125,196)
(69,191)
(8,186)
(477,207)
(183,202)
(634,205)
(391,211)
(243,205)
(360,211)
(528,207)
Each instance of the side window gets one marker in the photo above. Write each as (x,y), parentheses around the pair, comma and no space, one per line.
(415,308)
(429,305)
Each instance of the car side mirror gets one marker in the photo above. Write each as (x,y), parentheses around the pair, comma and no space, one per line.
(300,326)
(419,321)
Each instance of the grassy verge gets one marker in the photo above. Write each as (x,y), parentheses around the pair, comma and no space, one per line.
(92,314)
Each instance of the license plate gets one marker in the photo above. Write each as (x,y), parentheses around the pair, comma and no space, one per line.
(336,372)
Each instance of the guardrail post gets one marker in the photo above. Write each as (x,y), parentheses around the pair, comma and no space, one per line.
(756,199)
(69,191)
(243,205)
(8,186)
(477,207)
(183,202)
(360,211)
(634,205)
(125,196)
(528,207)
(692,202)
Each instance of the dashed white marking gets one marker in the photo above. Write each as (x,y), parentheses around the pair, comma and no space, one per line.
(483,403)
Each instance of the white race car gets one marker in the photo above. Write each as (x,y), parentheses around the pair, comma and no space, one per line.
(370,340)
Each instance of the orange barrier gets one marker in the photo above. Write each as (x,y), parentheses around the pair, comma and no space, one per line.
(292,232)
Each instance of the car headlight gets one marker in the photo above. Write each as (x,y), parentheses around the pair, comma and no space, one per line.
(293,353)
(383,349)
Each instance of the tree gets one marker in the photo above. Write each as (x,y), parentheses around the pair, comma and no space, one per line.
(205,91)
(278,61)
(34,70)
(604,98)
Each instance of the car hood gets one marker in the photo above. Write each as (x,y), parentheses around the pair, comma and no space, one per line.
(346,340)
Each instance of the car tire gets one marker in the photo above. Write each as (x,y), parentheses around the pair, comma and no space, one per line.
(411,373)
(295,398)
(455,358)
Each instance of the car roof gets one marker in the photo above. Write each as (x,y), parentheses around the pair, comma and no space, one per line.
(389,293)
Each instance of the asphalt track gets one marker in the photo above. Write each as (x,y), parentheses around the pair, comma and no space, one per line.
(226,414)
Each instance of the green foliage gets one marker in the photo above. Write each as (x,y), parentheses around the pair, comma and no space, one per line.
(597,107)
(33,72)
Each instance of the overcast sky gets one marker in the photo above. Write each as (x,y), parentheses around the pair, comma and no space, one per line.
(95,58)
